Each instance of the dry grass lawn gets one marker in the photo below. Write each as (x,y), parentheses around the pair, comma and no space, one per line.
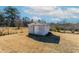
(20,42)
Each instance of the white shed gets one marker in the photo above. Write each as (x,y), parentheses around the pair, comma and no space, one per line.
(38,28)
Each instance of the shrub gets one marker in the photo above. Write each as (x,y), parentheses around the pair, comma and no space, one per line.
(0,33)
(57,28)
(72,31)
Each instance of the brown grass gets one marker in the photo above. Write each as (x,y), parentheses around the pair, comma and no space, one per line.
(20,42)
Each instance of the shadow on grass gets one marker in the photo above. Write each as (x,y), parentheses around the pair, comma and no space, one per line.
(49,38)
(70,32)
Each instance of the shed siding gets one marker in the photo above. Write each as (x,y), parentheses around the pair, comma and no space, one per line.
(38,29)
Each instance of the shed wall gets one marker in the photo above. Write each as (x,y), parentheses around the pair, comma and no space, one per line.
(39,30)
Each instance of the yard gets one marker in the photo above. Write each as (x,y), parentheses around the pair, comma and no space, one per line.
(19,41)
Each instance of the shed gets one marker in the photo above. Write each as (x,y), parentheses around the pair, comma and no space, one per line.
(38,28)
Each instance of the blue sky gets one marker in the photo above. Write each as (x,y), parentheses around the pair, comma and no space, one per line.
(49,13)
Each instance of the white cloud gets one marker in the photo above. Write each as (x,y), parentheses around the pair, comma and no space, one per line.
(56,12)
(43,8)
(46,10)
(73,10)
(35,18)
(56,20)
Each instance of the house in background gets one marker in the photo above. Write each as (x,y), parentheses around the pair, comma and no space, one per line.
(38,28)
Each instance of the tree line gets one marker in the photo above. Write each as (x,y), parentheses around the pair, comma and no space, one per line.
(65,27)
(10,17)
